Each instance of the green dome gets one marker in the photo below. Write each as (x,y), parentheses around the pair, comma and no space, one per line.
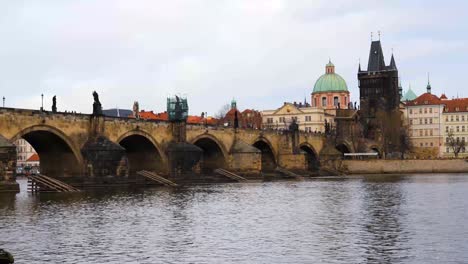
(330,82)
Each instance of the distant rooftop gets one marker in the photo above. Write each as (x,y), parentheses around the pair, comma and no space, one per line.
(116,112)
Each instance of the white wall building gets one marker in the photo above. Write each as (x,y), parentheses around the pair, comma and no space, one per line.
(309,119)
(455,118)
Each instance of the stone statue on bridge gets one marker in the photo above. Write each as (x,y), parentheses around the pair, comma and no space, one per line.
(136,110)
(54,104)
(97,107)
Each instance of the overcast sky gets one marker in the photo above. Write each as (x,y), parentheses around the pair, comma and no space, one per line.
(261,53)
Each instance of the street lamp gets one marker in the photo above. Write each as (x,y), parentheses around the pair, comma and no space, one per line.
(42,102)
(3,101)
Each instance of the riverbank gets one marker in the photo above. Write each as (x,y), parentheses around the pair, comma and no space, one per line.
(403,166)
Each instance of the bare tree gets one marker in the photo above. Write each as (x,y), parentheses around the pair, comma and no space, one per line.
(405,141)
(223,111)
(455,143)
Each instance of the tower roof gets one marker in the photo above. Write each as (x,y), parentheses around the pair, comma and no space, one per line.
(392,63)
(376,58)
(409,95)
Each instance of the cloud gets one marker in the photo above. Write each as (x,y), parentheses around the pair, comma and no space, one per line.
(260,52)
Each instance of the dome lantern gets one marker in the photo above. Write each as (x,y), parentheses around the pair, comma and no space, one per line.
(329,68)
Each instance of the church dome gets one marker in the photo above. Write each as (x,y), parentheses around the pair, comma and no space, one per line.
(330,81)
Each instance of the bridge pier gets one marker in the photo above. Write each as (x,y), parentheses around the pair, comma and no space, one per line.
(7,166)
(291,161)
(245,158)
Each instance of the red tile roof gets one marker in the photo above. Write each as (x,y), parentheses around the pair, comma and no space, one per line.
(34,157)
(199,120)
(425,99)
(194,120)
(150,115)
(456,105)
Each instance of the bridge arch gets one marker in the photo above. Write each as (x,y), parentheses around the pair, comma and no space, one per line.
(269,160)
(214,155)
(59,156)
(344,147)
(377,150)
(311,155)
(143,152)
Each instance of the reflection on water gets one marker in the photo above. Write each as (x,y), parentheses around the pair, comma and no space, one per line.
(372,219)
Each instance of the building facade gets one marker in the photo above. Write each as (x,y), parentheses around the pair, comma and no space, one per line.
(309,119)
(26,156)
(432,120)
(424,119)
(455,118)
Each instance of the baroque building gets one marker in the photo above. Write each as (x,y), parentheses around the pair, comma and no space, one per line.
(309,119)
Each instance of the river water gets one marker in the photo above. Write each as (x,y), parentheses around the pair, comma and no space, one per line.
(371,219)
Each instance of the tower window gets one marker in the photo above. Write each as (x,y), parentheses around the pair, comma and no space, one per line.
(335,101)
(324,101)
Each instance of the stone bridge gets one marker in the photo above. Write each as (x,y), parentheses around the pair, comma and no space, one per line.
(61,139)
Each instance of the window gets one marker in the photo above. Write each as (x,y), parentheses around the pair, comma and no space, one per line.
(456,118)
(425,132)
(463,118)
(324,101)
(432,144)
(430,110)
(425,110)
(308,118)
(446,119)
(425,121)
(458,129)
(411,111)
(463,128)
(345,100)
(411,121)
(282,119)
(420,110)
(420,121)
(420,144)
(315,102)
(430,120)
(335,101)
(420,132)
(451,118)
(430,132)
(270,120)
